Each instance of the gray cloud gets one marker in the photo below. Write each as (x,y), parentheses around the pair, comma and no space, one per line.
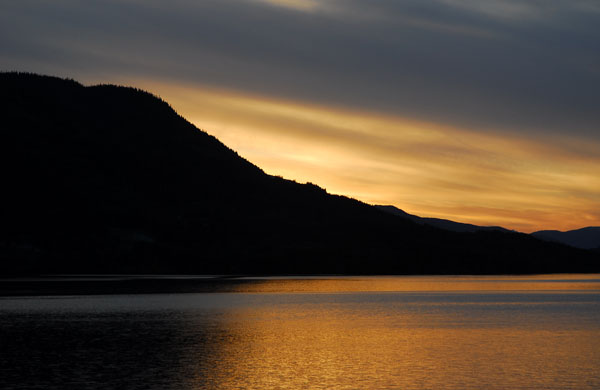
(521,66)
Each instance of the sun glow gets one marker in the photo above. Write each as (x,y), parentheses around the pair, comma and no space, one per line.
(424,168)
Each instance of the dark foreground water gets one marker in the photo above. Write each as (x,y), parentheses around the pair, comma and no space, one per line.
(539,332)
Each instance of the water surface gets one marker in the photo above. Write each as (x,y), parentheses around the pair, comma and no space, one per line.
(539,332)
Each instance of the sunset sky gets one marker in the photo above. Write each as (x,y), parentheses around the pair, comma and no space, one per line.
(479,111)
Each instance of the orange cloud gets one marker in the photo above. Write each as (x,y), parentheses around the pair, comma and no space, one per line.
(484,177)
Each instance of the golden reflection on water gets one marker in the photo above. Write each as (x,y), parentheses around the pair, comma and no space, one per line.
(563,282)
(409,333)
(467,333)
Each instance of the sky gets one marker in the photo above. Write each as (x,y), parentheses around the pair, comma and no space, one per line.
(479,111)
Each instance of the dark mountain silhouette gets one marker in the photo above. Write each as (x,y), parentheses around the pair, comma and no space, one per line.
(585,238)
(440,223)
(109,179)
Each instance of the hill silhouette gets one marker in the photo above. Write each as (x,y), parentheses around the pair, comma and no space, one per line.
(109,179)
(584,238)
(445,224)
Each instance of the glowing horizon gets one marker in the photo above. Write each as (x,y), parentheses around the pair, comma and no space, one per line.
(427,169)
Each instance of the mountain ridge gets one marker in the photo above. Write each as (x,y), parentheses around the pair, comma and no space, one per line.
(583,238)
(110,179)
(445,224)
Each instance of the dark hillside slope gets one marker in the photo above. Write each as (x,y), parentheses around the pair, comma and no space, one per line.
(110,179)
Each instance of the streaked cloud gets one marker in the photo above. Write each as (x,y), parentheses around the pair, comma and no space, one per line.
(299,5)
(521,66)
(426,168)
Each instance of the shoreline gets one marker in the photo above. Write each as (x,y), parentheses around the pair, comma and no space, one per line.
(87,284)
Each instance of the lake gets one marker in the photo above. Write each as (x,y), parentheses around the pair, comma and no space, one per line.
(471,332)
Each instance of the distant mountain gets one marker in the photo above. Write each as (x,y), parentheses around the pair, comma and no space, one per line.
(586,238)
(440,223)
(108,179)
